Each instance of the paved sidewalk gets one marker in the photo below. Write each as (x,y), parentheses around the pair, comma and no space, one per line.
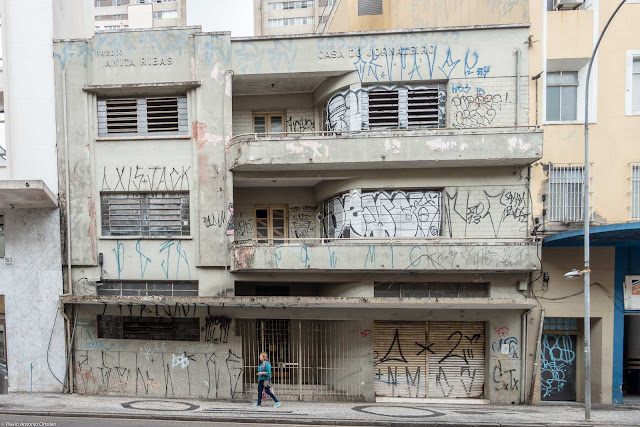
(312,413)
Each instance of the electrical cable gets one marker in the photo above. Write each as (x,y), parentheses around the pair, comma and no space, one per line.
(49,346)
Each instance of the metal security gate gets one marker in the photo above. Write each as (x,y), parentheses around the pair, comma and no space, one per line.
(400,368)
(456,359)
(429,359)
(310,359)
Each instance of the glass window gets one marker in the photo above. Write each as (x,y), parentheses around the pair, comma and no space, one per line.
(562,96)
(635,85)
(268,123)
(566,189)
(271,224)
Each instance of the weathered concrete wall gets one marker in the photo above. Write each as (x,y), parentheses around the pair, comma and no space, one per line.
(31,285)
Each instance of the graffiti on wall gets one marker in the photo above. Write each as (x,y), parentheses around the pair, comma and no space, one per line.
(302,221)
(169,260)
(300,124)
(478,110)
(383,214)
(145,178)
(558,367)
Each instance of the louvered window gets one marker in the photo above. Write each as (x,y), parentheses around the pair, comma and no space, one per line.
(142,116)
(383,109)
(145,214)
(369,7)
(149,328)
(142,288)
(423,108)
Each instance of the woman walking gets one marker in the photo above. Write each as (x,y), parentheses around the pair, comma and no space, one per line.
(264,379)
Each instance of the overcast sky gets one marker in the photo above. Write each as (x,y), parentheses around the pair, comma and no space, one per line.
(222,15)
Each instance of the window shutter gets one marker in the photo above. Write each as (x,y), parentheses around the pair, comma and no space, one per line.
(424,107)
(182,115)
(121,115)
(383,109)
(162,114)
(142,116)
(145,214)
(369,7)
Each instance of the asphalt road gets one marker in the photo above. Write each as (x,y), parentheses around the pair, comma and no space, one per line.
(35,421)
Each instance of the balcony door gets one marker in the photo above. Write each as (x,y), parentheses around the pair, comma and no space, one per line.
(271,224)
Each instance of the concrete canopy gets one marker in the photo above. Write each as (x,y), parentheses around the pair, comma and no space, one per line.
(26,194)
(627,234)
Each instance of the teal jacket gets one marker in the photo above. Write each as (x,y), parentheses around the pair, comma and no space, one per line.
(265,367)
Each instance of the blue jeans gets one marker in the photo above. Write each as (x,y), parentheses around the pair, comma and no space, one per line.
(266,389)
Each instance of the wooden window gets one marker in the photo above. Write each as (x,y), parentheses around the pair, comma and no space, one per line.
(268,123)
(142,116)
(149,328)
(271,224)
(145,214)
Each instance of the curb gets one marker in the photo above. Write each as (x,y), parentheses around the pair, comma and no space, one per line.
(279,421)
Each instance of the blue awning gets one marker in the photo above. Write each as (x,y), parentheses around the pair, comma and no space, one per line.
(627,234)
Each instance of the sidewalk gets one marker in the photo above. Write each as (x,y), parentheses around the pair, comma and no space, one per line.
(310,413)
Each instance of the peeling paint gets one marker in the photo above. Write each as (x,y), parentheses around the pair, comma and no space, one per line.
(517,143)
(393,145)
(313,145)
(441,145)
(243,258)
(202,137)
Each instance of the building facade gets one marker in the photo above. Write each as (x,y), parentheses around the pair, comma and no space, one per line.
(32,334)
(357,205)
(110,15)
(274,18)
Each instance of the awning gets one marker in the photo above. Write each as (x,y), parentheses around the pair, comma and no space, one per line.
(627,234)
(321,302)
(15,193)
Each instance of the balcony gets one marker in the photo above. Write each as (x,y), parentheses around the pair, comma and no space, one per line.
(570,34)
(385,149)
(387,255)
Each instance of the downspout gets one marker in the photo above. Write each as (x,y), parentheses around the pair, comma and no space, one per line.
(523,355)
(537,357)
(517,53)
(68,232)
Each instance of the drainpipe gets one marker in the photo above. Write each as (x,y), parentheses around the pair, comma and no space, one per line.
(523,355)
(517,53)
(537,357)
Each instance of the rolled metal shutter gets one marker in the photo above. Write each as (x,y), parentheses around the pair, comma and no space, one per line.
(456,359)
(400,359)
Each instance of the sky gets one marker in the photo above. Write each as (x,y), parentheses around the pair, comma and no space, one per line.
(222,15)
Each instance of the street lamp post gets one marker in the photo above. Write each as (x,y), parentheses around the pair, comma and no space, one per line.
(587,271)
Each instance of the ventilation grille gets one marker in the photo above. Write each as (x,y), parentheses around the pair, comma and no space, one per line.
(145,214)
(142,288)
(142,116)
(383,109)
(423,108)
(431,290)
(162,114)
(122,115)
(369,7)
(149,328)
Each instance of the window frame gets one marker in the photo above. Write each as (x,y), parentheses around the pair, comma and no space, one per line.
(270,239)
(631,56)
(561,85)
(634,194)
(564,208)
(2,236)
(267,121)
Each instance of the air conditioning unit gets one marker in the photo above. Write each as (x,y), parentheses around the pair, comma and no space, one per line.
(567,4)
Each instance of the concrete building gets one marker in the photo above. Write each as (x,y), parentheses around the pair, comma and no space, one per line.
(112,15)
(357,205)
(562,37)
(272,18)
(32,337)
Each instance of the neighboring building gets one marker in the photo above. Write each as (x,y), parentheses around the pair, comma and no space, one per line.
(112,15)
(276,17)
(356,205)
(32,340)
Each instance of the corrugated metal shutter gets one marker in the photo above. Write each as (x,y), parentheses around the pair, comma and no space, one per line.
(383,109)
(456,359)
(145,214)
(369,7)
(400,359)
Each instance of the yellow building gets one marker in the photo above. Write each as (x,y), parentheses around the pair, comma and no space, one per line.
(563,34)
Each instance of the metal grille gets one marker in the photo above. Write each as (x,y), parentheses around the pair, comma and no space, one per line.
(149,328)
(431,290)
(566,192)
(162,114)
(122,115)
(369,7)
(635,191)
(560,324)
(423,108)
(145,288)
(145,214)
(383,109)
(310,359)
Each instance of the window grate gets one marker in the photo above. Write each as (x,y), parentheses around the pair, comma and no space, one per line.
(369,7)
(431,290)
(423,108)
(142,116)
(138,288)
(149,328)
(560,324)
(145,214)
(383,109)
(635,191)
(566,192)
